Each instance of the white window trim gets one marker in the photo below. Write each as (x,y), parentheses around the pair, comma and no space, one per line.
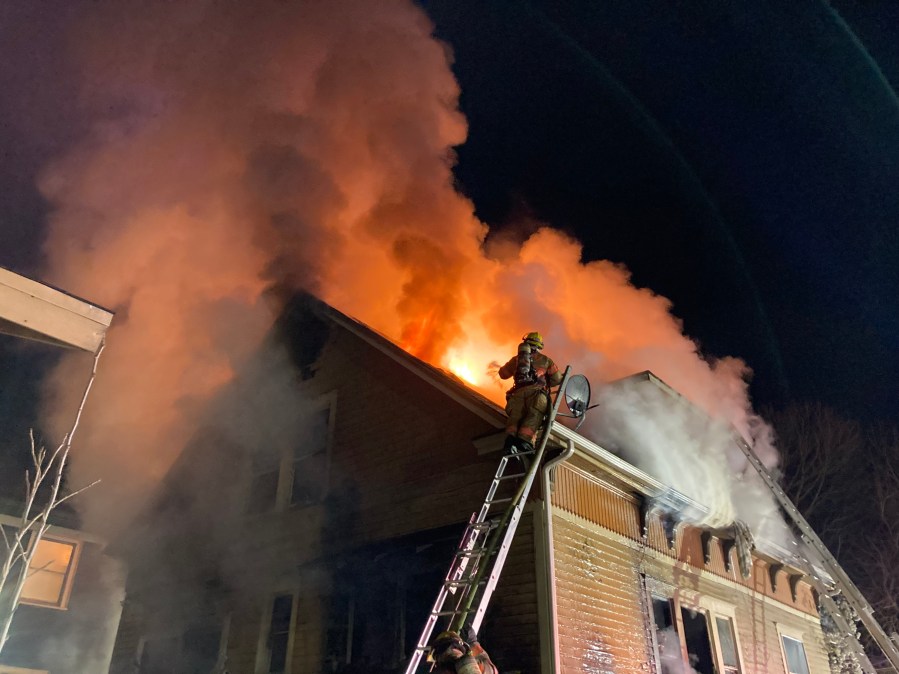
(794,634)
(263,652)
(719,608)
(69,579)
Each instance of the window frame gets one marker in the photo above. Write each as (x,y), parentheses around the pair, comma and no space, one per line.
(784,631)
(263,647)
(68,580)
(177,634)
(283,497)
(717,608)
(327,402)
(711,607)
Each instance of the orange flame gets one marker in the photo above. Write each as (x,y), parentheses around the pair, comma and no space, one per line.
(272,152)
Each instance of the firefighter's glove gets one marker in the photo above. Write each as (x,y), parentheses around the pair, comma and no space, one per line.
(493,369)
(468,634)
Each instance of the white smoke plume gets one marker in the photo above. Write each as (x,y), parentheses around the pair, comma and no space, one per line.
(308,145)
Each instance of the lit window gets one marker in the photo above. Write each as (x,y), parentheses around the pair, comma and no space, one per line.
(49,578)
(794,654)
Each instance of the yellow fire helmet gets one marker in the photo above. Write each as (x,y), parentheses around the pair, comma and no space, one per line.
(534,339)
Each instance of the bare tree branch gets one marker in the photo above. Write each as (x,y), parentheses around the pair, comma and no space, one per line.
(31,528)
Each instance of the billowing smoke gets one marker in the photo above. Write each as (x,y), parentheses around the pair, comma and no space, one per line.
(243,146)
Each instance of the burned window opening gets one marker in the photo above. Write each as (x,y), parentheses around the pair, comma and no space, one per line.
(698,640)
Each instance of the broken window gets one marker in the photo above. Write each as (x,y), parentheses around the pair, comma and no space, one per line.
(794,654)
(697,641)
(667,641)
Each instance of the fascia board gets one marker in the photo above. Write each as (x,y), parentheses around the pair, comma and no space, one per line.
(468,398)
(39,312)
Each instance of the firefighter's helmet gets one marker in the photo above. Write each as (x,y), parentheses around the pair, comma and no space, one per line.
(534,339)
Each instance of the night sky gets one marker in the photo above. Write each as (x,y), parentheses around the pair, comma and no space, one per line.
(740,161)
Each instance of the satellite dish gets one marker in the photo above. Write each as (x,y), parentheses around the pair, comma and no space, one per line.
(577,395)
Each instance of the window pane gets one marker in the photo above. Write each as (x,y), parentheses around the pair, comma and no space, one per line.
(47,573)
(279,632)
(315,434)
(263,492)
(199,650)
(795,654)
(52,556)
(727,641)
(308,480)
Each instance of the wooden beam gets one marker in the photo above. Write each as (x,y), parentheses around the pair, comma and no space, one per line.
(36,311)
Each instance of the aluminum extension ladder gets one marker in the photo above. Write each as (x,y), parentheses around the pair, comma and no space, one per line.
(478,562)
(842,584)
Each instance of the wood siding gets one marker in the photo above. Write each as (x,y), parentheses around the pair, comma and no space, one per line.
(601,561)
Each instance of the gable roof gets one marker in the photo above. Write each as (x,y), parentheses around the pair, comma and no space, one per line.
(477,403)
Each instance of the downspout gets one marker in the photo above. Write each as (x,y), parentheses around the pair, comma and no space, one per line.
(550,558)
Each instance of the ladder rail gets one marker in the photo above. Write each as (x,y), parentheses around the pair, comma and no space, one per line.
(483,549)
(841,580)
(510,521)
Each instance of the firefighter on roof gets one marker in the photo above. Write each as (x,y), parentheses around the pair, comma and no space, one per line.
(527,401)
(451,654)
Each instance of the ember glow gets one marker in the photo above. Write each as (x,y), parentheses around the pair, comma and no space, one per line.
(307,145)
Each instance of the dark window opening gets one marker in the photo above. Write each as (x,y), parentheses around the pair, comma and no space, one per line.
(265,468)
(195,651)
(696,637)
(310,460)
(159,656)
(670,660)
(279,633)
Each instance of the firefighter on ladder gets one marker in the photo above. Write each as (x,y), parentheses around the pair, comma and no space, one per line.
(453,654)
(527,402)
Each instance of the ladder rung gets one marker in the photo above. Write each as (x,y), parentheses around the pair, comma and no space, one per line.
(486,524)
(444,613)
(511,477)
(460,583)
(470,553)
(498,500)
